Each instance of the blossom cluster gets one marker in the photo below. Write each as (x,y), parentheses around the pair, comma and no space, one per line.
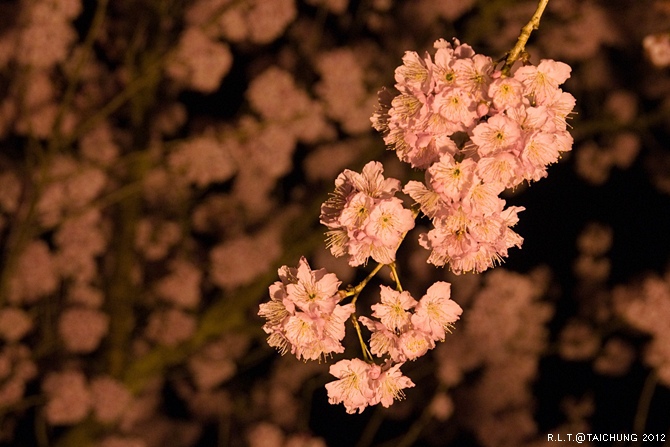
(363,216)
(399,334)
(361,384)
(408,328)
(304,317)
(303,314)
(475,131)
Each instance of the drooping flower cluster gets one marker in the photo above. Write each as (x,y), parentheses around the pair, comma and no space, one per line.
(304,317)
(361,384)
(476,131)
(363,216)
(407,328)
(303,314)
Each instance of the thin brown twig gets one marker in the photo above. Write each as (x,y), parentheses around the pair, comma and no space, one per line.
(518,49)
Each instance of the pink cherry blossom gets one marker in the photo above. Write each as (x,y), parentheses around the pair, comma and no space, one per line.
(392,311)
(408,110)
(457,107)
(506,93)
(414,74)
(502,168)
(357,210)
(363,217)
(303,315)
(474,75)
(476,132)
(540,149)
(436,312)
(389,221)
(472,243)
(542,81)
(559,106)
(483,198)
(389,385)
(451,178)
(383,340)
(499,133)
(353,389)
(372,182)
(414,343)
(430,201)
(362,384)
(313,289)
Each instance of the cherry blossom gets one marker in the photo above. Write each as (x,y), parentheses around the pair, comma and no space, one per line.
(303,315)
(408,328)
(476,131)
(353,389)
(363,216)
(392,311)
(362,384)
(435,313)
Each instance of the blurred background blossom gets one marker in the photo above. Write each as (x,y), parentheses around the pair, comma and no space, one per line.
(161,159)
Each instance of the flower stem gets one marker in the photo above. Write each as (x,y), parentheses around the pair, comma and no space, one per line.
(367,356)
(520,46)
(356,291)
(396,278)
